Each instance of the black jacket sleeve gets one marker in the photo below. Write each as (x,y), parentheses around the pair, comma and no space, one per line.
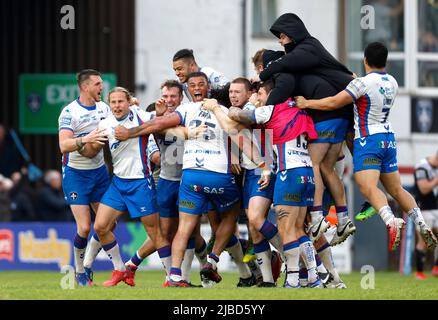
(284,88)
(303,57)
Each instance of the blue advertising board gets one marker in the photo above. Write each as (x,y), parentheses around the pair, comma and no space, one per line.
(49,246)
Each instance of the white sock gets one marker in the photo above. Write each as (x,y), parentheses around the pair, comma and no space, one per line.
(386,214)
(277,243)
(416,216)
(264,262)
(167,263)
(255,269)
(307,252)
(93,250)
(212,261)
(315,216)
(327,261)
(186,265)
(292,262)
(236,252)
(114,255)
(79,259)
(321,268)
(342,218)
(202,256)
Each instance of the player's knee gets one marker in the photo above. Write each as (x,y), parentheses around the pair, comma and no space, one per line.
(84,229)
(101,229)
(327,169)
(255,221)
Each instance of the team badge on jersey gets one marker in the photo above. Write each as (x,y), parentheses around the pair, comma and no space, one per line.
(73,195)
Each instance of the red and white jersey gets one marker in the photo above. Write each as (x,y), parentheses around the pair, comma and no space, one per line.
(210,152)
(130,157)
(81,120)
(374,97)
(290,154)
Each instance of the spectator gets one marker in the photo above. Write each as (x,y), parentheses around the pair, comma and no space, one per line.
(22,197)
(5,202)
(10,159)
(51,205)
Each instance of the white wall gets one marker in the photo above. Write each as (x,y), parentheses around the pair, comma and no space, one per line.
(211,28)
(310,11)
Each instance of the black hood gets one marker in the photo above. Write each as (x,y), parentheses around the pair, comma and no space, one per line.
(270,56)
(292,26)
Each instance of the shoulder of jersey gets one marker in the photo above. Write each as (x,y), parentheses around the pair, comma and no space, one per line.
(68,108)
(103,105)
(208,71)
(249,106)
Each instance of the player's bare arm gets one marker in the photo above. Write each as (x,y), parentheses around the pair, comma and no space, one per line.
(226,123)
(185,133)
(68,143)
(151,126)
(327,104)
(242,116)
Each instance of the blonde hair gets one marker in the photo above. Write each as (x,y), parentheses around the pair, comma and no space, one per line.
(120,89)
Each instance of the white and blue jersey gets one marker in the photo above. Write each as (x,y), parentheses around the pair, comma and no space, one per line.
(245,162)
(212,151)
(84,180)
(81,120)
(132,187)
(374,144)
(216,80)
(206,164)
(130,159)
(374,96)
(172,151)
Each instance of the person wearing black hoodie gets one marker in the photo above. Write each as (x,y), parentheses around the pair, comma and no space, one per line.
(323,151)
(305,53)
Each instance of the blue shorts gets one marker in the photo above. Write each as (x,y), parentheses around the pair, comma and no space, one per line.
(82,187)
(167,198)
(200,186)
(294,187)
(331,131)
(375,152)
(138,196)
(251,188)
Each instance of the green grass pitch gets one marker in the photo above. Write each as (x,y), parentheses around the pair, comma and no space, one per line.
(46,286)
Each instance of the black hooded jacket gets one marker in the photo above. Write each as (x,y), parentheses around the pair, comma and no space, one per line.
(305,55)
(311,86)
